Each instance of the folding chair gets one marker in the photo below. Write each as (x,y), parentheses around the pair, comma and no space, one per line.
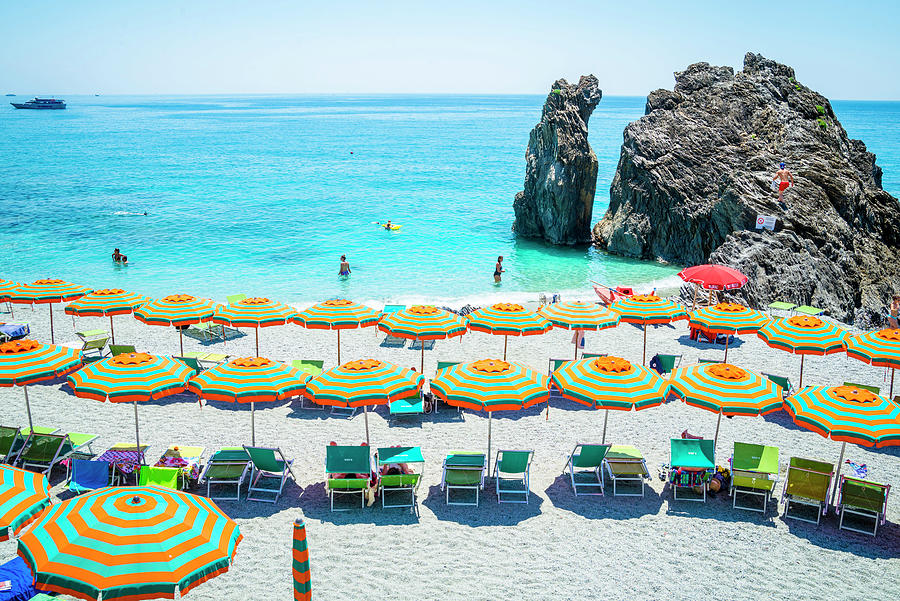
(585,468)
(692,462)
(865,499)
(399,484)
(121,349)
(227,467)
(808,482)
(87,475)
(463,471)
(626,464)
(754,471)
(166,477)
(347,471)
(313,367)
(512,474)
(267,463)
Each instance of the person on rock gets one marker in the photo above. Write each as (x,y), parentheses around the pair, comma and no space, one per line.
(785,180)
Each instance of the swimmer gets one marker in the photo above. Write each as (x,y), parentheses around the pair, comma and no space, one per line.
(785,180)
(387,225)
(345,266)
(498,269)
(118,257)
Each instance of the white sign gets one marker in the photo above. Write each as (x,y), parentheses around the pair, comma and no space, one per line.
(765,222)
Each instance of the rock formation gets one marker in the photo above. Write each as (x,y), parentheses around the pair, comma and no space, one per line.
(561,171)
(696,170)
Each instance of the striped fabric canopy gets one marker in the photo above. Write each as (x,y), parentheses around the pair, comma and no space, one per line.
(24,362)
(610,383)
(881,348)
(175,310)
(129,543)
(337,314)
(507,319)
(300,562)
(23,496)
(490,385)
(47,291)
(249,380)
(727,388)
(109,301)
(728,318)
(7,287)
(364,382)
(804,335)
(255,312)
(576,315)
(847,414)
(647,309)
(423,322)
(130,377)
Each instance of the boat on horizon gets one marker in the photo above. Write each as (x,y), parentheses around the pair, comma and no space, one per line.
(41,103)
(10,94)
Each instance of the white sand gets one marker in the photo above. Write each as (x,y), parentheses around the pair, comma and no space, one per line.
(556,547)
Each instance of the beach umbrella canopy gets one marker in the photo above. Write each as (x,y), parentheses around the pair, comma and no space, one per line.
(7,287)
(714,277)
(507,319)
(422,322)
(728,318)
(47,291)
(490,385)
(337,314)
(578,315)
(804,335)
(23,496)
(106,303)
(300,562)
(129,543)
(178,310)
(880,348)
(249,380)
(255,312)
(24,362)
(647,309)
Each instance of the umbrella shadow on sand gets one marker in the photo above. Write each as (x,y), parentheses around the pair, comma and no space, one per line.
(562,496)
(245,509)
(709,346)
(718,506)
(827,535)
(316,505)
(488,512)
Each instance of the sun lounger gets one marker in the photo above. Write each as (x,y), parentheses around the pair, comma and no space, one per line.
(228,466)
(399,484)
(692,463)
(807,310)
(874,389)
(267,464)
(121,349)
(86,335)
(808,482)
(787,388)
(625,464)
(167,477)
(463,471)
(444,364)
(392,341)
(406,407)
(313,367)
(204,357)
(593,355)
(192,363)
(585,468)
(187,460)
(13,331)
(782,306)
(97,346)
(86,475)
(665,364)
(235,298)
(512,475)
(754,471)
(11,442)
(392,309)
(347,471)
(865,499)
(44,451)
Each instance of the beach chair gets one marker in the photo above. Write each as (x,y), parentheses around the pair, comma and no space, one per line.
(781,306)
(121,349)
(625,464)
(399,484)
(204,357)
(512,474)
(267,464)
(703,360)
(228,466)
(808,482)
(95,345)
(665,364)
(865,499)
(786,387)
(166,477)
(585,468)
(445,364)
(191,363)
(18,582)
(807,310)
(692,463)
(235,298)
(754,472)
(11,442)
(184,458)
(593,355)
(463,471)
(392,309)
(86,475)
(347,471)
(873,389)
(44,451)
(406,407)
(313,367)
(552,366)
(86,335)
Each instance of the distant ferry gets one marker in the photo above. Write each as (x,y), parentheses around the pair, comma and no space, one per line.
(41,103)
(10,94)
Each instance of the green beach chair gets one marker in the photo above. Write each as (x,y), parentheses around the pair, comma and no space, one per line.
(44,451)
(782,306)
(86,335)
(512,474)
(347,470)
(166,477)
(121,349)
(692,462)
(787,389)
(873,389)
(228,466)
(406,407)
(865,499)
(313,367)
(392,309)
(808,482)
(754,472)
(267,464)
(585,468)
(625,464)
(668,363)
(11,442)
(445,364)
(463,471)
(593,355)
(399,484)
(235,298)
(807,310)
(191,363)
(704,360)
(94,345)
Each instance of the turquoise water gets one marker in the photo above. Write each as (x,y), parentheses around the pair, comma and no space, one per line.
(262,194)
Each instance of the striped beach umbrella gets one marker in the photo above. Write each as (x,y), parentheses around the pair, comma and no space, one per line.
(422,322)
(24,362)
(579,316)
(7,287)
(507,319)
(130,378)
(490,385)
(647,309)
(300,563)
(363,383)
(106,303)
(712,277)
(727,390)
(881,348)
(256,312)
(178,310)
(249,380)
(804,335)
(129,543)
(728,319)
(610,383)
(47,292)
(337,314)
(23,496)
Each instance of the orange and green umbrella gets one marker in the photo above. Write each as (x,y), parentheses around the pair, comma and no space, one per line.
(300,562)
(178,310)
(580,316)
(337,314)
(647,309)
(24,362)
(7,287)
(129,543)
(804,335)
(728,318)
(23,496)
(507,319)
(47,292)
(423,322)
(106,303)
(881,348)
(255,312)
(249,380)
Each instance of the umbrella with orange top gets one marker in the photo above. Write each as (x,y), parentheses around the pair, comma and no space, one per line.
(423,322)
(728,319)
(804,335)
(106,303)
(881,348)
(178,310)
(647,309)
(47,291)
(255,312)
(337,314)
(508,319)
(579,316)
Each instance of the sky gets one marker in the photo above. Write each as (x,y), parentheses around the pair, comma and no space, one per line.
(841,49)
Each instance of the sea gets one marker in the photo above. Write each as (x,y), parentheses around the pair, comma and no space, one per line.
(262,194)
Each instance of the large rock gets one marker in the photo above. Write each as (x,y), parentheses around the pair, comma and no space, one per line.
(695,172)
(561,171)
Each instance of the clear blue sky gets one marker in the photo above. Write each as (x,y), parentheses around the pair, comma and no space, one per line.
(842,49)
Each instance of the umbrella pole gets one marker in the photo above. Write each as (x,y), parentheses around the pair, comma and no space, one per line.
(490,418)
(644,360)
(505,341)
(366,417)
(112,332)
(253,423)
(257,340)
(422,364)
(800,385)
(339,347)
(181,341)
(727,336)
(605,419)
(28,408)
(137,434)
(716,437)
(837,476)
(52,338)
(891,393)
(696,288)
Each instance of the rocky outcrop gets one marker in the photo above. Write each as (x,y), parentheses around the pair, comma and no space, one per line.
(696,170)
(561,171)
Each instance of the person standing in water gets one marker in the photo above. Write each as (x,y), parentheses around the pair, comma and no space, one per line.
(345,266)
(785,180)
(498,269)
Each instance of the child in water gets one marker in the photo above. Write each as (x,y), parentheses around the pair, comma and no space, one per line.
(345,266)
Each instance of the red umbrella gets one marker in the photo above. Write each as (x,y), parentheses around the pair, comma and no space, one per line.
(713,277)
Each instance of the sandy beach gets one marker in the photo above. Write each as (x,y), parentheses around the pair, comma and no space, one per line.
(557,546)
